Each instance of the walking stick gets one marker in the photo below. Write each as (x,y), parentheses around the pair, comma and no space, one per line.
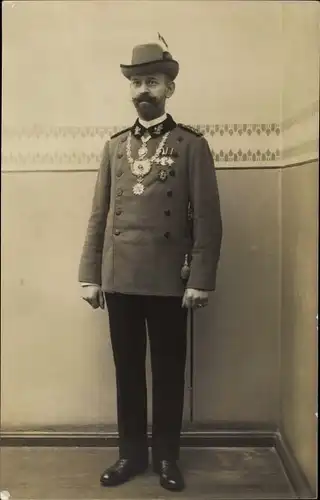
(191,366)
(186,273)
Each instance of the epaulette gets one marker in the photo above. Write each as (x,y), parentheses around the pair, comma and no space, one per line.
(190,129)
(120,132)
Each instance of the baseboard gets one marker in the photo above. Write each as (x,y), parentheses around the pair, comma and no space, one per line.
(190,438)
(293,470)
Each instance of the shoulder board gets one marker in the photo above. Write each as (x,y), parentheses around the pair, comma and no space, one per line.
(120,132)
(190,129)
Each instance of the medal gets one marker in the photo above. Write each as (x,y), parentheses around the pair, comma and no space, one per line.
(141,167)
(165,160)
(138,188)
(142,151)
(163,175)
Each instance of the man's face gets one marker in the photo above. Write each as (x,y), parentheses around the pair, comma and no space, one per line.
(149,94)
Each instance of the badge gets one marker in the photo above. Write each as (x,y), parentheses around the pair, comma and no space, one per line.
(163,175)
(141,167)
(158,129)
(143,151)
(138,188)
(164,161)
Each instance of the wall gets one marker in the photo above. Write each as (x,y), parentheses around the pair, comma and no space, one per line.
(299,342)
(300,209)
(300,95)
(63,95)
(236,346)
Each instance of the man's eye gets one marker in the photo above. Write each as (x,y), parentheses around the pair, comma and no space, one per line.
(152,82)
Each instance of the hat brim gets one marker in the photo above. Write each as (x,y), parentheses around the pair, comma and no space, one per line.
(169,67)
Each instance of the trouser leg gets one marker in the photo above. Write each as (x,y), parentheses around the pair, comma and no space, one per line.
(167,329)
(128,340)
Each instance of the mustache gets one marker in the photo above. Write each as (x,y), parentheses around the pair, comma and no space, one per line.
(145,98)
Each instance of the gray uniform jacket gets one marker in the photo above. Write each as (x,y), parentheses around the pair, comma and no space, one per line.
(136,244)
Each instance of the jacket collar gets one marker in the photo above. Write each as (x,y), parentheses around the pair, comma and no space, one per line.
(151,123)
(158,127)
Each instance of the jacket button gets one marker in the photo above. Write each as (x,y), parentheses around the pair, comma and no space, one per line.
(119,192)
(117,232)
(167,212)
(120,155)
(118,211)
(172,173)
(169,193)
(123,139)
(119,173)
(167,235)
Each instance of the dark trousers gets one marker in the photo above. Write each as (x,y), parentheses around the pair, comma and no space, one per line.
(167,329)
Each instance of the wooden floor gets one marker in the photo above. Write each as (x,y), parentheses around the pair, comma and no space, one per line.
(210,473)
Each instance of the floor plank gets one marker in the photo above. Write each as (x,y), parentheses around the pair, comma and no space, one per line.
(210,474)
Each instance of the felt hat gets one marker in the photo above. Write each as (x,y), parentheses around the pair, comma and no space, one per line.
(150,58)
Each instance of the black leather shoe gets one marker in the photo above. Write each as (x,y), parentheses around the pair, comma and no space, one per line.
(170,476)
(120,472)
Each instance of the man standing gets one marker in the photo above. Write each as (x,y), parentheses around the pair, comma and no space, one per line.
(148,264)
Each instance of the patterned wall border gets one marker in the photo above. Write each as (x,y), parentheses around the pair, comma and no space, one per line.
(82,145)
(251,155)
(40,131)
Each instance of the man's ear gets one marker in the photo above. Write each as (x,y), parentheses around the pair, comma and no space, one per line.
(171,86)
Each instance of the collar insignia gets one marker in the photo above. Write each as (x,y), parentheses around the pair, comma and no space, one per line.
(167,125)
(158,128)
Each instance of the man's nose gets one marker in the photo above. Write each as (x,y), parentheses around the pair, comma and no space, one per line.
(143,89)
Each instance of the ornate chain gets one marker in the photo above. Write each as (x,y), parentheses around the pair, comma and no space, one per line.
(154,158)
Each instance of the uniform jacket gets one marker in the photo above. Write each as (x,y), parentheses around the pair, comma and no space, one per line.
(136,244)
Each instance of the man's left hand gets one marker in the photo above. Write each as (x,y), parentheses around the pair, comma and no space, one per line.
(195,298)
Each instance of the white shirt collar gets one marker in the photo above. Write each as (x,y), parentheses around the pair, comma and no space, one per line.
(151,123)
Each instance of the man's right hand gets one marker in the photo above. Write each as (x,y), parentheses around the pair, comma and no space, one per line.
(93,295)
